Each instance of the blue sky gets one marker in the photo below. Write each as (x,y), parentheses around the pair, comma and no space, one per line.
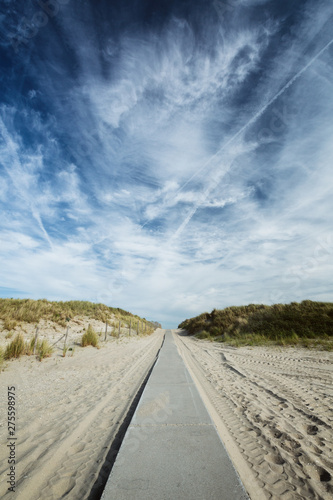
(166,157)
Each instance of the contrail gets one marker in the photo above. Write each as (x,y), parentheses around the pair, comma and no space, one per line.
(38,218)
(240,131)
(14,178)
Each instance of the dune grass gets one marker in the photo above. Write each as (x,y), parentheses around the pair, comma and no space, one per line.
(18,347)
(90,337)
(307,324)
(15,348)
(13,311)
(16,311)
(44,350)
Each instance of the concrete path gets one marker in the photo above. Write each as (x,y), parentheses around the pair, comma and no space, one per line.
(171,449)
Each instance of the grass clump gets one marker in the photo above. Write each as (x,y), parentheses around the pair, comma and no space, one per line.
(16,348)
(44,350)
(306,324)
(29,347)
(9,324)
(204,335)
(89,338)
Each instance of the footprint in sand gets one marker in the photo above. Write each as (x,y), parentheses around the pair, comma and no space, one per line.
(312,430)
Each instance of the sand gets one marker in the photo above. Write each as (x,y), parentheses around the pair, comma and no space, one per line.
(69,410)
(273,408)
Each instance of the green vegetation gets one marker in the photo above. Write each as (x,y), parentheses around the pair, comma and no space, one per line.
(18,347)
(14,311)
(9,324)
(308,324)
(89,338)
(44,350)
(29,347)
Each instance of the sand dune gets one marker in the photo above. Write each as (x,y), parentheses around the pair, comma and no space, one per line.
(273,409)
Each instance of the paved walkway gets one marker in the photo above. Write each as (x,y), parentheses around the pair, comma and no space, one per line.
(171,450)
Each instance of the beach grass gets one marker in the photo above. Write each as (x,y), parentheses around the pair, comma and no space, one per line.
(13,312)
(90,337)
(306,324)
(18,347)
(44,350)
(15,348)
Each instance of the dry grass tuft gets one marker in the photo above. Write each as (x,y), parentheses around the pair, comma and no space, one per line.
(89,338)
(16,347)
(44,350)
(9,324)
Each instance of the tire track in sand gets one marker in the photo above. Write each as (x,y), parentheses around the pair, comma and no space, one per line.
(282,432)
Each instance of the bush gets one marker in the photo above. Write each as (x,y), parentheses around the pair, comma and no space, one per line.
(89,338)
(16,348)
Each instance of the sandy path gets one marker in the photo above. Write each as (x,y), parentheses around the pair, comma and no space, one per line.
(273,409)
(69,410)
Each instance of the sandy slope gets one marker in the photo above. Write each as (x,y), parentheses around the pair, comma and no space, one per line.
(69,410)
(273,408)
